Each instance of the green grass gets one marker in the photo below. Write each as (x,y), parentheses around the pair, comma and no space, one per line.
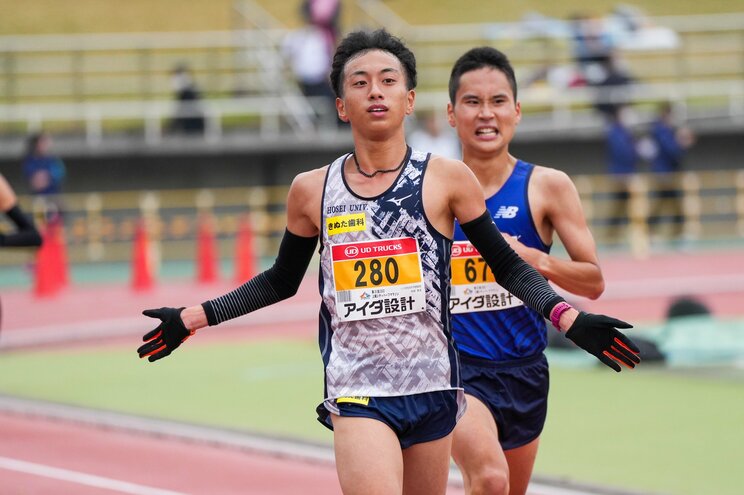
(677,433)
(273,388)
(670,433)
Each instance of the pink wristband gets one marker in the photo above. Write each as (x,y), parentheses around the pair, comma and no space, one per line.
(558,310)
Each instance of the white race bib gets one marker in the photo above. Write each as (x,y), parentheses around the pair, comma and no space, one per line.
(378,278)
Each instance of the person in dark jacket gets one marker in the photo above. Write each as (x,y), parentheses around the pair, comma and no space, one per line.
(670,146)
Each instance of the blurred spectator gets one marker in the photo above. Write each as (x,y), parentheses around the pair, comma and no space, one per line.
(623,159)
(308,51)
(592,46)
(432,135)
(613,92)
(598,63)
(188,118)
(632,29)
(669,146)
(628,18)
(324,14)
(44,174)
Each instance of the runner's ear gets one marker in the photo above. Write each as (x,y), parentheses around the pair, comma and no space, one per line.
(341,110)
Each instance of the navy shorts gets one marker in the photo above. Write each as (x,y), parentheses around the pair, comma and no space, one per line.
(416,418)
(516,392)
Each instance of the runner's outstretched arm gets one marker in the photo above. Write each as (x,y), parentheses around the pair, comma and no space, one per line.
(279,282)
(26,233)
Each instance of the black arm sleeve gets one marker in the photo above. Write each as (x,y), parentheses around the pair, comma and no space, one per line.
(27,235)
(279,282)
(511,271)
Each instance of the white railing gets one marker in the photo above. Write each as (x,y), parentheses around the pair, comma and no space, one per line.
(138,65)
(153,116)
(677,47)
(566,110)
(95,80)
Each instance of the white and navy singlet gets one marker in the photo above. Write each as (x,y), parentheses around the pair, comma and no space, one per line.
(384,282)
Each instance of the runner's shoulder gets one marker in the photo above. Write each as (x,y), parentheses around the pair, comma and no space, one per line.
(448,167)
(308,186)
(310,180)
(550,179)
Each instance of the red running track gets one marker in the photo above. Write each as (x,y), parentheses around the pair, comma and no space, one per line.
(641,290)
(56,458)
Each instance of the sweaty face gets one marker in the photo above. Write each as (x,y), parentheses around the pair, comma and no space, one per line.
(485,113)
(374,91)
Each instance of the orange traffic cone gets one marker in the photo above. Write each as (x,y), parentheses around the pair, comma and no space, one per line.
(142,277)
(59,252)
(207,268)
(245,258)
(46,281)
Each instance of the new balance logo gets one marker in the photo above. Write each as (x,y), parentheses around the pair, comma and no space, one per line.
(506,212)
(398,201)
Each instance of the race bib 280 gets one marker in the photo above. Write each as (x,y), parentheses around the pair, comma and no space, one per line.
(378,278)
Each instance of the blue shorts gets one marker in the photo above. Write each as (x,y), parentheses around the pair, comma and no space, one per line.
(414,418)
(516,392)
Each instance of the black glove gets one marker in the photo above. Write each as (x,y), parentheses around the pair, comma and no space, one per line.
(597,335)
(164,339)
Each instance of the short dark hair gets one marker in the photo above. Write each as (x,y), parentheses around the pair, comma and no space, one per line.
(361,42)
(32,142)
(478,58)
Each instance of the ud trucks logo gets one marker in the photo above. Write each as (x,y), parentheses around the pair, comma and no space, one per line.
(351,251)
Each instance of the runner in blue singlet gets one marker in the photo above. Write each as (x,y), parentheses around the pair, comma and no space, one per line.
(500,340)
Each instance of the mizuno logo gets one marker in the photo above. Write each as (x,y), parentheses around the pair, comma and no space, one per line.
(506,212)
(398,201)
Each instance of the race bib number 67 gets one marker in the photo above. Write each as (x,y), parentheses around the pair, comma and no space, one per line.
(474,287)
(378,278)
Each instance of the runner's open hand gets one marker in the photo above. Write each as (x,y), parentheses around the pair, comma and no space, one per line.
(164,339)
(598,335)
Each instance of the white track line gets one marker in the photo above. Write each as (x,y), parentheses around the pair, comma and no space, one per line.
(137,325)
(226,438)
(673,286)
(81,478)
